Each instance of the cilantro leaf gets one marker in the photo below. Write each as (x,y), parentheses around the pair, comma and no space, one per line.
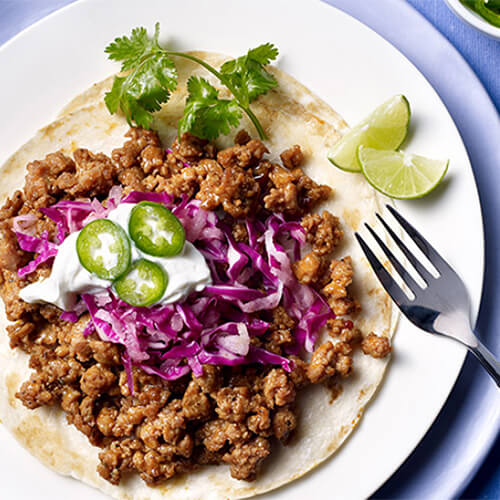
(131,50)
(205,115)
(263,54)
(246,76)
(151,79)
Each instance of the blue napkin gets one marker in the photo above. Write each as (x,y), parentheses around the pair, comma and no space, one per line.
(481,51)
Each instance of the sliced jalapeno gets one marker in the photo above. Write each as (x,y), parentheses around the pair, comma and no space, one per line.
(103,248)
(143,285)
(156,230)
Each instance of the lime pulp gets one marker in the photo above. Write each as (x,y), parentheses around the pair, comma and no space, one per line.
(401,175)
(385,128)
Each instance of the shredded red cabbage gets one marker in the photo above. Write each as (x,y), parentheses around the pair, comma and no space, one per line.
(214,326)
(42,246)
(69,216)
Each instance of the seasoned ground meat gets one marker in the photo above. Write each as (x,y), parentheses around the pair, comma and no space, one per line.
(260,422)
(191,148)
(12,205)
(143,149)
(375,346)
(242,137)
(11,256)
(233,403)
(131,179)
(189,180)
(245,155)
(215,434)
(284,422)
(211,380)
(292,157)
(336,292)
(95,174)
(322,363)
(238,192)
(299,373)
(323,232)
(195,403)
(293,193)
(344,363)
(41,186)
(97,380)
(310,269)
(245,459)
(240,232)
(344,330)
(230,414)
(278,388)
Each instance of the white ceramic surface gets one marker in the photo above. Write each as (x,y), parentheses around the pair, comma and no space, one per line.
(353,69)
(473,19)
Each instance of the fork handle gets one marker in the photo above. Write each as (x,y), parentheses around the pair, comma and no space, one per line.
(488,361)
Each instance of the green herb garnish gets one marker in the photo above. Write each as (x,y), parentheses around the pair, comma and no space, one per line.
(489,10)
(152,77)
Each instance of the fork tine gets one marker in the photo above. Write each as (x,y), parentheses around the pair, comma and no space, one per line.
(405,275)
(424,273)
(427,249)
(391,287)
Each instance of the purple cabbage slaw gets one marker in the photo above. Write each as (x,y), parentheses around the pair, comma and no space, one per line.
(214,326)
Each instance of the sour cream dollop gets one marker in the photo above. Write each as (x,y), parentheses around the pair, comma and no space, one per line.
(187,271)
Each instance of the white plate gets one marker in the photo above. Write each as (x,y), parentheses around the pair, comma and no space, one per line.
(473,19)
(353,69)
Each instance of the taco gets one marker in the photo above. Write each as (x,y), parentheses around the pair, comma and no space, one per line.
(241,386)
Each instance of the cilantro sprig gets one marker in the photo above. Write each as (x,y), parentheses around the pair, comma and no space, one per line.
(151,77)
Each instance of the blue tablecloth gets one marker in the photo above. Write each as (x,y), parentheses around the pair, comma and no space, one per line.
(483,55)
(480,51)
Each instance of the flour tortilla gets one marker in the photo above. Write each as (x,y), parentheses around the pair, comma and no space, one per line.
(291,115)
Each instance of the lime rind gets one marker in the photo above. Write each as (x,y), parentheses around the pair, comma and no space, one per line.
(385,128)
(401,175)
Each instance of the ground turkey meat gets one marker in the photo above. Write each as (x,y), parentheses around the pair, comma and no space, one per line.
(230,415)
(310,269)
(233,403)
(191,148)
(293,192)
(240,233)
(278,389)
(246,458)
(143,149)
(336,292)
(236,190)
(344,330)
(41,186)
(96,380)
(284,422)
(242,155)
(292,157)
(323,232)
(322,363)
(375,346)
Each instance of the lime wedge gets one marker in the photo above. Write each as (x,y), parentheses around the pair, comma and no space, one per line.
(385,128)
(401,175)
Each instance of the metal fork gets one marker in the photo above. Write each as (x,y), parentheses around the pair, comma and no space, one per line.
(442,307)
